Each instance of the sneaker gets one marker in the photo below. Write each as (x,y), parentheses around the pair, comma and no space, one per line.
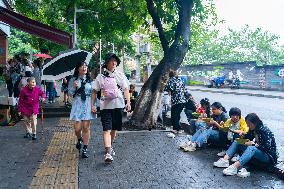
(235,158)
(28,135)
(243,173)
(34,137)
(184,144)
(171,135)
(79,144)
(84,153)
(189,149)
(221,154)
(108,158)
(112,152)
(174,131)
(230,171)
(180,132)
(221,163)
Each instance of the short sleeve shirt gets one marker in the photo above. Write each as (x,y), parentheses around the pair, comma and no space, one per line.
(123,84)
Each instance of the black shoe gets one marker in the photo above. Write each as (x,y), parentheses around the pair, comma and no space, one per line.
(27,135)
(84,153)
(33,136)
(79,145)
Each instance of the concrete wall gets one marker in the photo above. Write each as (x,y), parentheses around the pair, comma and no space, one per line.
(251,75)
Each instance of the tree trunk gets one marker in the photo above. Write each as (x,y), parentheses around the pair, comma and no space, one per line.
(148,104)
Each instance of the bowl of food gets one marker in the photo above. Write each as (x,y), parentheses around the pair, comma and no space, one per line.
(196,114)
(241,140)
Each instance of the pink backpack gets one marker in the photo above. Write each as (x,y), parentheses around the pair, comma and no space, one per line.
(110,88)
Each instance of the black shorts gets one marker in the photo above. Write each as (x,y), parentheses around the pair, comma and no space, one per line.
(111,119)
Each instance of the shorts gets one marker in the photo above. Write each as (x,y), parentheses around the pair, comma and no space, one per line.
(111,119)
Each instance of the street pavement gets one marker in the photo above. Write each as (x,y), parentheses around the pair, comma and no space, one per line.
(144,159)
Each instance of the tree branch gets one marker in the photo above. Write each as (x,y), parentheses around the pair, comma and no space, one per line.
(183,32)
(158,24)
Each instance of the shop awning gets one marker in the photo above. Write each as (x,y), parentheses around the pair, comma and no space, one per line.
(35,28)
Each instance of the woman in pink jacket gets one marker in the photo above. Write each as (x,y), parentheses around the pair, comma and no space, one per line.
(29,105)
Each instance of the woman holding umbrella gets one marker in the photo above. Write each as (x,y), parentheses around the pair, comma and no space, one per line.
(80,88)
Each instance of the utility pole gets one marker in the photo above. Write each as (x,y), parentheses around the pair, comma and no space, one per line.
(138,56)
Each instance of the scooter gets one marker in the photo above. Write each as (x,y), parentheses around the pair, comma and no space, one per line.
(234,83)
(217,82)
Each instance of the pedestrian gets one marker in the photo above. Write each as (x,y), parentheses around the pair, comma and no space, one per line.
(24,80)
(259,144)
(176,89)
(80,87)
(133,96)
(64,90)
(112,84)
(29,99)
(37,71)
(7,76)
(212,133)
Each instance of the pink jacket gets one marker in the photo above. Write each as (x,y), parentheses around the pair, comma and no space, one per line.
(29,100)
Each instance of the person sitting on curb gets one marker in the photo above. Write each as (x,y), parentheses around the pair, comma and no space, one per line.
(260,145)
(29,105)
(200,124)
(233,128)
(219,117)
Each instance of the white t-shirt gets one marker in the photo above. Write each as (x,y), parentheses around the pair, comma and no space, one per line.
(121,81)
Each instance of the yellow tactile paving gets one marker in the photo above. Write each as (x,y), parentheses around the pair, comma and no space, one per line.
(59,167)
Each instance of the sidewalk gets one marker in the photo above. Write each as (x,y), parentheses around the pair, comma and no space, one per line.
(248,92)
(144,159)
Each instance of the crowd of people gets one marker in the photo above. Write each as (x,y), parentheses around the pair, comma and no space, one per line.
(242,139)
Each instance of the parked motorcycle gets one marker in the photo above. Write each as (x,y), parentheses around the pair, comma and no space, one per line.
(217,82)
(233,83)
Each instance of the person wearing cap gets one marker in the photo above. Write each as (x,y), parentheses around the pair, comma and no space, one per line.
(111,101)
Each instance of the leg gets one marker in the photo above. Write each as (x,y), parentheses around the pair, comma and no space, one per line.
(33,123)
(86,132)
(250,152)
(28,124)
(78,129)
(202,139)
(86,137)
(116,123)
(175,115)
(233,149)
(106,119)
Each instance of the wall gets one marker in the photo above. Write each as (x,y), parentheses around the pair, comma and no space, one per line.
(251,75)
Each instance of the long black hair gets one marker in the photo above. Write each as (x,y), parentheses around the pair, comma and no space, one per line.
(254,119)
(218,105)
(76,72)
(206,102)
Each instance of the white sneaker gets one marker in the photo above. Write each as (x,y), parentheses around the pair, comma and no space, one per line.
(184,144)
(180,132)
(112,152)
(221,154)
(189,149)
(230,171)
(108,158)
(171,135)
(243,173)
(235,158)
(221,163)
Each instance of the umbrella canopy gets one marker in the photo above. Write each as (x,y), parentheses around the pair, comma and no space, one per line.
(41,55)
(64,64)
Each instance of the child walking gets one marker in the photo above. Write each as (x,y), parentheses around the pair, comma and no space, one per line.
(29,105)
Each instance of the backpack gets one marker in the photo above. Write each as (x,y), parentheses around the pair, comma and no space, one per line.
(110,88)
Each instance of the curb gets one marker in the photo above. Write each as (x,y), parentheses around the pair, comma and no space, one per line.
(238,93)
